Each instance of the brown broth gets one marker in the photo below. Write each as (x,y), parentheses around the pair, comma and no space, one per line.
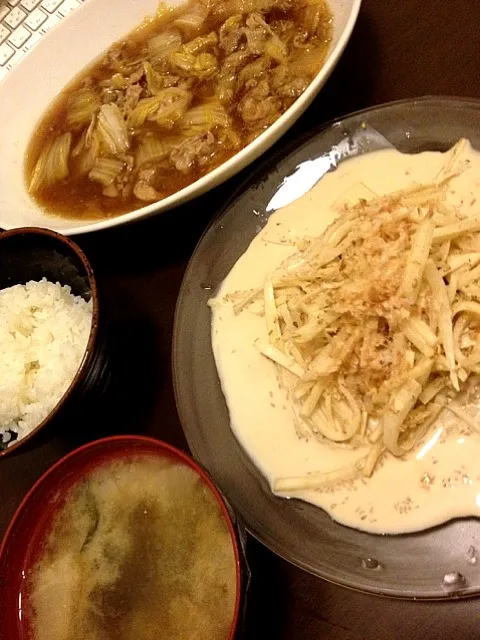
(79,197)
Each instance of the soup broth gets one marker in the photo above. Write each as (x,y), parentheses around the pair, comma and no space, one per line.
(172,101)
(140,550)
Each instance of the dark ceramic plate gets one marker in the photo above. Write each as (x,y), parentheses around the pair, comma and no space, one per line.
(434,564)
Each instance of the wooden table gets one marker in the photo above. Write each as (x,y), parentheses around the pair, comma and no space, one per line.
(398,50)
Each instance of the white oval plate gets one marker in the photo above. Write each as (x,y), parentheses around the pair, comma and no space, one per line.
(72,44)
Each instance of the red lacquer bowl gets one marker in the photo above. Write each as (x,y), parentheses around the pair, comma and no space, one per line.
(22,542)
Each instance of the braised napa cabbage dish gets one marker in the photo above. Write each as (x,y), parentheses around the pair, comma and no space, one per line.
(172,101)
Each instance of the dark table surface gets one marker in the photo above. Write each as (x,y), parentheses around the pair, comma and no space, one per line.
(399,49)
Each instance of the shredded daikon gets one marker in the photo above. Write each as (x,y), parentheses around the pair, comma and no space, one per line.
(374,325)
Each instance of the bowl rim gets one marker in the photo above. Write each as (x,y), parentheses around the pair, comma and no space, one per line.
(161,446)
(237,162)
(89,350)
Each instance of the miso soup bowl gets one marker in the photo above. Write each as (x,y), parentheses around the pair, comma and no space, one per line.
(72,44)
(25,536)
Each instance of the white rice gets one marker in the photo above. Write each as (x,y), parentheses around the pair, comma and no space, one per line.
(44,332)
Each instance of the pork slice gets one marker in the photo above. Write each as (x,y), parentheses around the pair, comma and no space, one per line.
(197,150)
(132,96)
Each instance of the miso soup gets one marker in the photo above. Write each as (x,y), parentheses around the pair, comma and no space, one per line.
(140,550)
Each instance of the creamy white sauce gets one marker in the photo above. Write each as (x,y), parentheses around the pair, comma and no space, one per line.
(438,481)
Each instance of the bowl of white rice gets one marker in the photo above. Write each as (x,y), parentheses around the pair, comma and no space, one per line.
(48,331)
